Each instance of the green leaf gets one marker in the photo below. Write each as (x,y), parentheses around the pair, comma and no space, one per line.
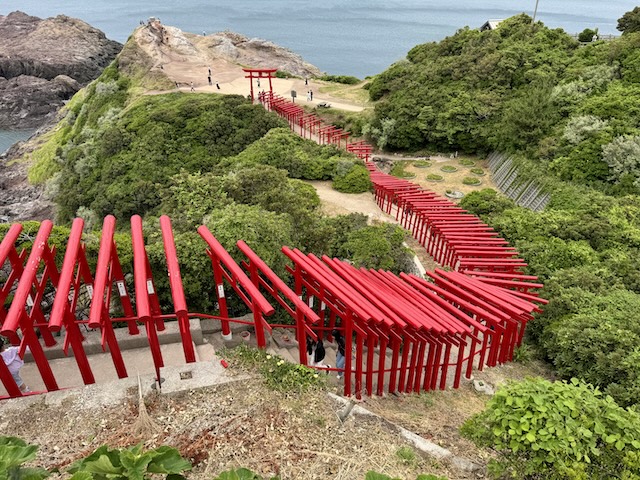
(32,473)
(530,436)
(82,476)
(167,460)
(239,474)
(12,455)
(371,475)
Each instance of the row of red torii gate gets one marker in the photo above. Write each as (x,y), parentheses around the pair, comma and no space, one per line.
(408,333)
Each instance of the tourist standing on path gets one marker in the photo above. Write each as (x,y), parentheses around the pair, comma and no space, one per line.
(11,358)
(311,95)
(192,89)
(209,71)
(306,81)
(209,78)
(340,358)
(217,85)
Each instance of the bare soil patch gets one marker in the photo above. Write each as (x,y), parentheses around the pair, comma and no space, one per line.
(225,427)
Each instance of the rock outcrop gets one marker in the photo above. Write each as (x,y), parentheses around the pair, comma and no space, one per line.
(257,53)
(44,62)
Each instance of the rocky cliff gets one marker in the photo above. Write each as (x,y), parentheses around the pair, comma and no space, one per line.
(44,62)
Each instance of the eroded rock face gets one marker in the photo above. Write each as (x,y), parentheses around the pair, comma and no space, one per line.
(258,53)
(44,62)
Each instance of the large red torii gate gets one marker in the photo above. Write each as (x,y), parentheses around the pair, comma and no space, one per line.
(259,73)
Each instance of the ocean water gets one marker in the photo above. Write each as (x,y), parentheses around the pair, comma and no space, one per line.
(9,137)
(355,37)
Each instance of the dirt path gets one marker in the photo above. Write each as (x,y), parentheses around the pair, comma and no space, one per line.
(337,203)
(187,58)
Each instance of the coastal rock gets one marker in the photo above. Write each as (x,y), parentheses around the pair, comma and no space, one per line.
(44,62)
(28,101)
(258,53)
(19,200)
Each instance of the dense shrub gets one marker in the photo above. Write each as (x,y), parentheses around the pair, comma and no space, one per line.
(351,177)
(346,79)
(557,430)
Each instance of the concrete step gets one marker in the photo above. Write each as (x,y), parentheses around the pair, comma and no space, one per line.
(67,375)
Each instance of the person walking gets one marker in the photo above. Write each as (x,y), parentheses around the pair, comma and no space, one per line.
(340,354)
(192,87)
(209,78)
(311,95)
(217,85)
(11,358)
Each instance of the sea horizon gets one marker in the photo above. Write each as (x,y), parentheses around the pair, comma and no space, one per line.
(361,39)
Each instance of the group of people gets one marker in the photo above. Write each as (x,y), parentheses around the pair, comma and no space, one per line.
(309,95)
(209,80)
(316,352)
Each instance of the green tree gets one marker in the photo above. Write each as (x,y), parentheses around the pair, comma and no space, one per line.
(630,21)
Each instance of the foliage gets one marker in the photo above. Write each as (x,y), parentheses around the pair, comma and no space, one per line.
(449,169)
(265,232)
(131,463)
(346,79)
(117,162)
(421,164)
(351,177)
(398,170)
(630,21)
(283,149)
(434,177)
(240,474)
(557,430)
(623,157)
(378,247)
(587,35)
(278,374)
(471,181)
(14,452)
(600,345)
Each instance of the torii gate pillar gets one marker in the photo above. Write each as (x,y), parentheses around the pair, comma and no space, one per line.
(259,73)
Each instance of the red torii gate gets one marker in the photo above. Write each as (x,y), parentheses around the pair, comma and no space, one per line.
(259,73)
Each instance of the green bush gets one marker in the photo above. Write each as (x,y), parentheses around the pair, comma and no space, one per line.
(398,170)
(449,169)
(477,171)
(352,178)
(421,164)
(346,79)
(471,181)
(434,177)
(558,431)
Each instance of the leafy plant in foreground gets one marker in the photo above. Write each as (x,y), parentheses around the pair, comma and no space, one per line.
(13,453)
(130,464)
(557,430)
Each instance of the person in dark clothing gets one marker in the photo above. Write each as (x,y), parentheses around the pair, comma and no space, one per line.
(340,355)
(316,353)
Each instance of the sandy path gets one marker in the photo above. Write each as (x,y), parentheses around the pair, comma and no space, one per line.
(185,63)
(337,203)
